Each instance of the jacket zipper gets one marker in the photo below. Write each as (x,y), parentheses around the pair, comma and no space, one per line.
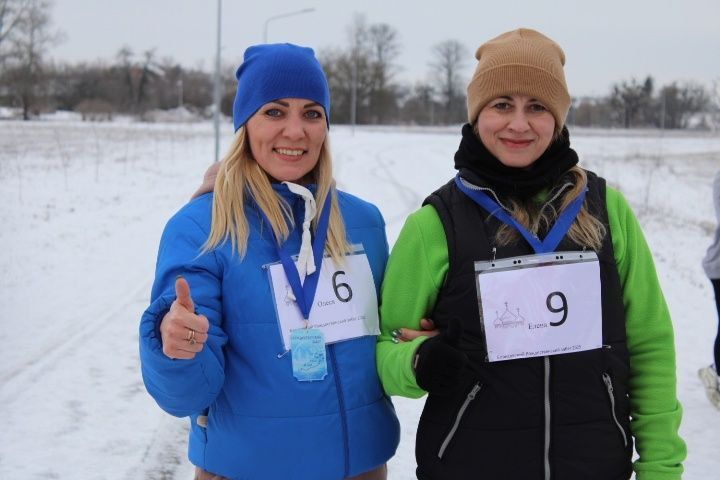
(546,361)
(470,397)
(611,394)
(341,405)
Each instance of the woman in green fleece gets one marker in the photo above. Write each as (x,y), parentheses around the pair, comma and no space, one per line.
(556,352)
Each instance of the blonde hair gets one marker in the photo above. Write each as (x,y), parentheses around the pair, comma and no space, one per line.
(586,230)
(240,177)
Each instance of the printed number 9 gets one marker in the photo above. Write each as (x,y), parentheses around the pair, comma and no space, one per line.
(563,309)
(338,286)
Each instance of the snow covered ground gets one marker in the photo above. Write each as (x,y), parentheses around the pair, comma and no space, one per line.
(82,207)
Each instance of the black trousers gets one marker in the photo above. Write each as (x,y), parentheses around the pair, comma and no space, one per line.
(716,287)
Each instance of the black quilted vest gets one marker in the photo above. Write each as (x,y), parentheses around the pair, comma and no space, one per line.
(562,417)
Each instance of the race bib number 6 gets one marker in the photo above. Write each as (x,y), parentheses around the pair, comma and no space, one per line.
(538,305)
(345,304)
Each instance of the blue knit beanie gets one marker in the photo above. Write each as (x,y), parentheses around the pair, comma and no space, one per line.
(274,71)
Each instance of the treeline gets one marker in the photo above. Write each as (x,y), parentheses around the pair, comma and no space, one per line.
(639,104)
(362,76)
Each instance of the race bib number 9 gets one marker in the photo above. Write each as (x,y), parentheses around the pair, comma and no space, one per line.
(345,304)
(538,305)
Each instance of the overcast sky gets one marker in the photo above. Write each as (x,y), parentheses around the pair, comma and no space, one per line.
(604,40)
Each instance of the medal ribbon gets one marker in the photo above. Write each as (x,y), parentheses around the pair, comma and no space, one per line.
(304,291)
(553,238)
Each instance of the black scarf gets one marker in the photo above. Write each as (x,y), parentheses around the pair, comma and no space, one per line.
(478,166)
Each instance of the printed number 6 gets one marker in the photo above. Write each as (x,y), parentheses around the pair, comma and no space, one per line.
(338,286)
(563,309)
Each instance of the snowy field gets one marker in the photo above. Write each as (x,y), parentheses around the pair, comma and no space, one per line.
(82,207)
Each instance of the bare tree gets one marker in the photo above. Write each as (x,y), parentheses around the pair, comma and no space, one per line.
(138,78)
(357,61)
(715,104)
(144,75)
(30,38)
(679,102)
(447,64)
(361,75)
(592,112)
(633,101)
(383,50)
(421,105)
(11,11)
(123,70)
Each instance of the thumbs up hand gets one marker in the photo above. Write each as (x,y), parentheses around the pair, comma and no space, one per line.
(183,332)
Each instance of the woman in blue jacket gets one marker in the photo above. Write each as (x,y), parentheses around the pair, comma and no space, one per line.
(273,356)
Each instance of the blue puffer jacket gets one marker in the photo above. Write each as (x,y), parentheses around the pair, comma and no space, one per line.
(262,423)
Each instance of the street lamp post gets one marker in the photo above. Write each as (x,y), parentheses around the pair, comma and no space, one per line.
(179,85)
(216,86)
(282,15)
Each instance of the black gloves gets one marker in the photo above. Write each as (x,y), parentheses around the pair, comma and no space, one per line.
(438,363)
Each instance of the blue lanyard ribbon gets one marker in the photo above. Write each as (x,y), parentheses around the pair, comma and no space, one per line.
(553,238)
(304,292)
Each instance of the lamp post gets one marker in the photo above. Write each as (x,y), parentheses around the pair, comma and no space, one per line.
(179,85)
(216,86)
(282,15)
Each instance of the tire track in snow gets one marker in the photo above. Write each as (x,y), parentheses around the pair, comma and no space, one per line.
(87,395)
(165,457)
(379,165)
(384,173)
(50,357)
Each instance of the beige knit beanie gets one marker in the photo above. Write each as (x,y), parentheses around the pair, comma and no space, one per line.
(520,62)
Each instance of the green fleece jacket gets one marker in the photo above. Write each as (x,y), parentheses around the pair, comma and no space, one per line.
(416,272)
